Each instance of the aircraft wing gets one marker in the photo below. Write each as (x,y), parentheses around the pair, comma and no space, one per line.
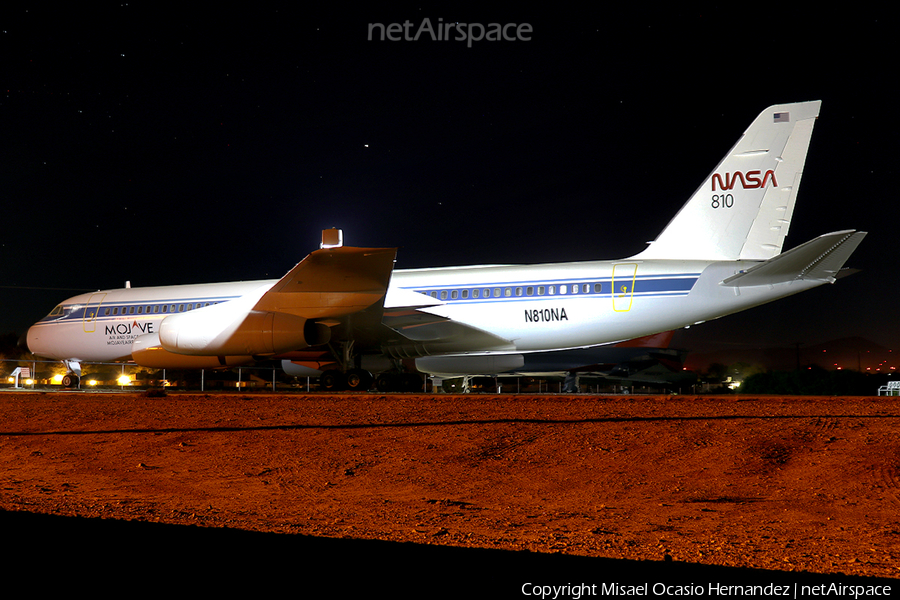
(332,283)
(438,334)
(819,259)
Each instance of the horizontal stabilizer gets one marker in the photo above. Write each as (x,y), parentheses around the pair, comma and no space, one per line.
(820,259)
(332,282)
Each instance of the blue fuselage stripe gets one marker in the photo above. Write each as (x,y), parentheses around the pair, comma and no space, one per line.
(677,285)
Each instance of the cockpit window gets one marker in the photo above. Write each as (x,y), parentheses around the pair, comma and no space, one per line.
(56,311)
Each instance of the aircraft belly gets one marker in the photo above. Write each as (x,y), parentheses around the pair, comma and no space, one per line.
(570,323)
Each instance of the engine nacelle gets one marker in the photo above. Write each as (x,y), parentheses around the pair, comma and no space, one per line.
(470,365)
(229,329)
(147,352)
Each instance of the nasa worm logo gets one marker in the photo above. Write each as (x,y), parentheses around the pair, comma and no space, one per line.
(749,180)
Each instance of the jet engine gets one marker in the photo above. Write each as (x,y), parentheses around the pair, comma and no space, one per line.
(225,334)
(147,352)
(217,331)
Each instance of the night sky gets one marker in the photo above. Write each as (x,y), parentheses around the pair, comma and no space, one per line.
(214,145)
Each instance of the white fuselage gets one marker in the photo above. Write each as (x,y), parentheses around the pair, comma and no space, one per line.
(526,308)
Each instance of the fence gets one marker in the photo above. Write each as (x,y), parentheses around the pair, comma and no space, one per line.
(48,374)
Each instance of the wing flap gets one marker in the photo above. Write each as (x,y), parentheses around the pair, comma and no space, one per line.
(820,259)
(433,334)
(332,283)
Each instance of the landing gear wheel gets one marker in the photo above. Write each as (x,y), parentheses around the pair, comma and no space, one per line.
(70,380)
(357,380)
(385,382)
(330,381)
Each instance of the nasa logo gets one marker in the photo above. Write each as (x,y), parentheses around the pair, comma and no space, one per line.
(749,180)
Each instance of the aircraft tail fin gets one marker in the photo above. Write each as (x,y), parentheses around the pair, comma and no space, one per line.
(820,259)
(743,209)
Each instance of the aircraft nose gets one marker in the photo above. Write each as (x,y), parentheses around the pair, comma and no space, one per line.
(29,341)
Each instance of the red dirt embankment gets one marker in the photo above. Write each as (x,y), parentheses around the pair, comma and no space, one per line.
(777,483)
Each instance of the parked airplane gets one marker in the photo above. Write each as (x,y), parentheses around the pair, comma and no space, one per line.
(722,253)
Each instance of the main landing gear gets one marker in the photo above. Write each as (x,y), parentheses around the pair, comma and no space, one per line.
(355,380)
(360,380)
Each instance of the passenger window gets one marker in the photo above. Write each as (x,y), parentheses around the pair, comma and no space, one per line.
(507,292)
(529,291)
(181,308)
(434,294)
(551,290)
(475,293)
(165,308)
(454,294)
(574,288)
(130,310)
(496,292)
(443,294)
(563,289)
(115,311)
(465,294)
(106,312)
(597,288)
(586,288)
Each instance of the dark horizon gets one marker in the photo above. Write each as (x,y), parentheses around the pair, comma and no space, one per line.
(162,150)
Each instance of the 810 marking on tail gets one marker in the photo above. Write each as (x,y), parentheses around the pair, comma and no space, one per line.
(722,201)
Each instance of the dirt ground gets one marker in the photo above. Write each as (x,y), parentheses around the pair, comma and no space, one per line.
(789,484)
